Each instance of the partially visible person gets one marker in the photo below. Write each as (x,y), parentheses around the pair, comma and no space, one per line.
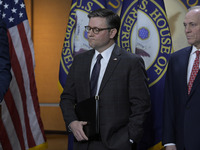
(122,88)
(5,66)
(181,126)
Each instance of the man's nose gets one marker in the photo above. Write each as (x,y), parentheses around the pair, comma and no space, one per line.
(90,32)
(187,29)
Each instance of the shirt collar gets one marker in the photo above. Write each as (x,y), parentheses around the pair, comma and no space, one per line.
(194,49)
(105,54)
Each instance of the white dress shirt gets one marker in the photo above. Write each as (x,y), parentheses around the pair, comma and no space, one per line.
(104,62)
(191,62)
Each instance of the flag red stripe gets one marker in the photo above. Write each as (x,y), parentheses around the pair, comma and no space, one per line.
(15,119)
(5,142)
(20,81)
(21,121)
(29,62)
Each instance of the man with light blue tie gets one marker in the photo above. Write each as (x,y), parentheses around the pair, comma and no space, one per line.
(181,126)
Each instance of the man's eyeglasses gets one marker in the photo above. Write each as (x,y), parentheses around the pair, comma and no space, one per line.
(95,30)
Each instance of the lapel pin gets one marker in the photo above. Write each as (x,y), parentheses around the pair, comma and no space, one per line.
(115,59)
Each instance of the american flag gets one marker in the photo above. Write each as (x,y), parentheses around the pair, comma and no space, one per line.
(20,126)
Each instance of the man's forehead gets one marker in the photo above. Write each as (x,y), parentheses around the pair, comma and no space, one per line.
(97,21)
(192,17)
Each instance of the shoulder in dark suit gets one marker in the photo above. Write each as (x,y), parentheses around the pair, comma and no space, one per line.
(5,75)
(123,94)
(181,121)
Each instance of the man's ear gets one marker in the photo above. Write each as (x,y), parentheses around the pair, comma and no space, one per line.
(113,32)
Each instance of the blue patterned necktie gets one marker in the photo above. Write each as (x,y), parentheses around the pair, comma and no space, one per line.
(95,76)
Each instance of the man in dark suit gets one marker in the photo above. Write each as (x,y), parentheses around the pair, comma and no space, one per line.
(181,127)
(124,99)
(5,75)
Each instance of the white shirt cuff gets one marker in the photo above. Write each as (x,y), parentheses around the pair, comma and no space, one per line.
(131,141)
(169,144)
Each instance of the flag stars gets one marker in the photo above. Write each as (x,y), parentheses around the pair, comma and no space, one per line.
(14,10)
(20,15)
(22,5)
(3,15)
(11,19)
(6,6)
(16,1)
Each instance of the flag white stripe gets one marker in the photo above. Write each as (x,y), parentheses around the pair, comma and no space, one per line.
(10,128)
(30,42)
(18,103)
(15,90)
(35,128)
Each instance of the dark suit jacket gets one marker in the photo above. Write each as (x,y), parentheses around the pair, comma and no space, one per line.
(181,111)
(124,96)
(5,75)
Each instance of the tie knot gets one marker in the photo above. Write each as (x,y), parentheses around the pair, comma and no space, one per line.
(99,56)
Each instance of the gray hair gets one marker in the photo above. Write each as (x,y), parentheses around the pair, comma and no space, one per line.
(194,7)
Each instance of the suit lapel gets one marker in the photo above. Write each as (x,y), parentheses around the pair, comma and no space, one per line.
(185,62)
(88,61)
(86,77)
(114,60)
(196,83)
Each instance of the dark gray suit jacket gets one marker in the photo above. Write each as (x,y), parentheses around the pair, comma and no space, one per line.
(5,75)
(124,96)
(181,111)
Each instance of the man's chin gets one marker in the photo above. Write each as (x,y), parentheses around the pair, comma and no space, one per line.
(91,45)
(190,42)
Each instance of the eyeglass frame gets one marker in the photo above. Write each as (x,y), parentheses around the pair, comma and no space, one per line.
(98,29)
